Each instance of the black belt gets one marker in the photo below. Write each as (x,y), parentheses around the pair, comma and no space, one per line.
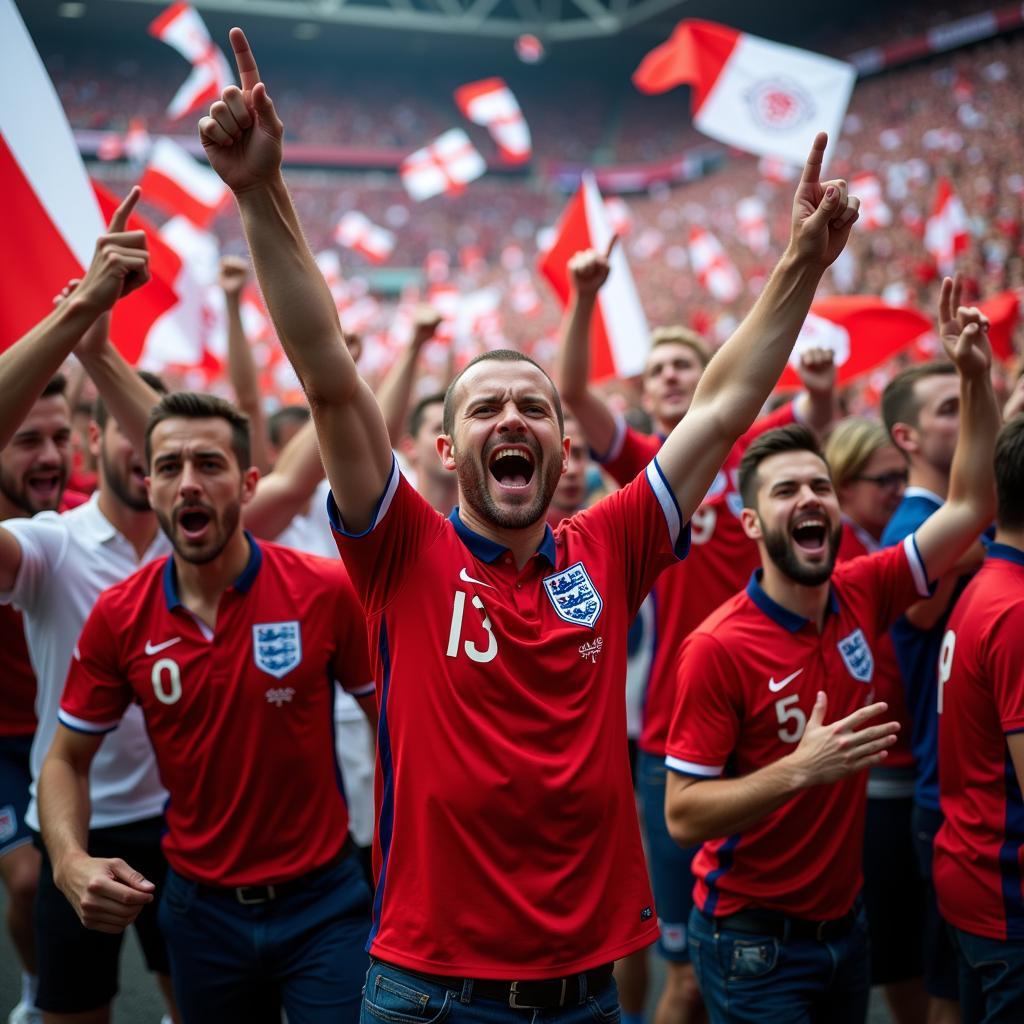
(539,994)
(249,895)
(780,926)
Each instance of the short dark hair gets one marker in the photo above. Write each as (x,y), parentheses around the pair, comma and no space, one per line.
(287,415)
(56,385)
(99,407)
(900,403)
(501,355)
(1010,474)
(419,410)
(794,437)
(192,405)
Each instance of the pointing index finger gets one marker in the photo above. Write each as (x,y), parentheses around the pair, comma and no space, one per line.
(812,167)
(611,246)
(248,73)
(124,211)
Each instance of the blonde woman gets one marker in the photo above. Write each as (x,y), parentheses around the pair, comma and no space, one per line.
(869,474)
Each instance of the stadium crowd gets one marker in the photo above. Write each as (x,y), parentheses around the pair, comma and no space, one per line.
(824,609)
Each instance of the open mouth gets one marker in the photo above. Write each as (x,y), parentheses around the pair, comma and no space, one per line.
(194,523)
(512,466)
(43,487)
(138,473)
(809,534)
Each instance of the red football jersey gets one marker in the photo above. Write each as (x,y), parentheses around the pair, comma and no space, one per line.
(720,563)
(979,866)
(748,678)
(508,843)
(241,718)
(18,689)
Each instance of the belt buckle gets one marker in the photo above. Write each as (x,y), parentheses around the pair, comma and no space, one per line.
(243,897)
(513,992)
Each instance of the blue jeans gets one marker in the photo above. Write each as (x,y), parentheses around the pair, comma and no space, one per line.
(669,864)
(394,996)
(303,952)
(754,979)
(991,979)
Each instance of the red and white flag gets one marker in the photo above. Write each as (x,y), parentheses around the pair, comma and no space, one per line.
(619,215)
(448,164)
(716,273)
(176,182)
(946,233)
(752,223)
(863,332)
(51,215)
(181,26)
(874,211)
(491,103)
(749,92)
(358,232)
(620,337)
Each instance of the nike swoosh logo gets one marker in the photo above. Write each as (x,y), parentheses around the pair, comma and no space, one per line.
(466,578)
(776,686)
(157,648)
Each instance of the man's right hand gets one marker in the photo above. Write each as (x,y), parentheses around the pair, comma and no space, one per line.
(827,753)
(233,274)
(242,134)
(106,894)
(589,269)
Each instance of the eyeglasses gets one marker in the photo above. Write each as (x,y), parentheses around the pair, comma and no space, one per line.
(889,481)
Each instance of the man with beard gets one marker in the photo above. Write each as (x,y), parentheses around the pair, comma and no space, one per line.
(777,930)
(510,869)
(229,648)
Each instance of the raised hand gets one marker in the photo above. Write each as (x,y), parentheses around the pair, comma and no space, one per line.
(242,133)
(817,369)
(589,269)
(425,322)
(963,331)
(823,212)
(119,265)
(95,337)
(234,272)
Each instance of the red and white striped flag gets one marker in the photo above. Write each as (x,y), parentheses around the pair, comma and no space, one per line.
(874,211)
(946,233)
(716,273)
(620,337)
(448,164)
(179,184)
(181,26)
(749,92)
(491,103)
(356,231)
(752,223)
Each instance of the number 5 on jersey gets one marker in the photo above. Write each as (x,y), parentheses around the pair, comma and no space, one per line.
(455,632)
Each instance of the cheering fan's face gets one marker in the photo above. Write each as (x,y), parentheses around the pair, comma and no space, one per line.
(938,420)
(670,379)
(572,487)
(35,464)
(422,449)
(507,446)
(797,516)
(196,486)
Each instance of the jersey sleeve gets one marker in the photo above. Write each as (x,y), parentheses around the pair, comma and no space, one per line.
(706,719)
(1004,655)
(629,454)
(352,657)
(641,527)
(44,542)
(377,559)
(889,581)
(96,693)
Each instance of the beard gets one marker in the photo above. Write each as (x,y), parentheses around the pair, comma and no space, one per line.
(222,530)
(473,484)
(120,484)
(782,551)
(16,491)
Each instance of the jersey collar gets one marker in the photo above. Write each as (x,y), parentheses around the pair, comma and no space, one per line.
(783,616)
(1006,552)
(486,550)
(243,583)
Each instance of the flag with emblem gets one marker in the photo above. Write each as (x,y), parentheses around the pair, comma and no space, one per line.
(356,231)
(491,103)
(619,335)
(749,92)
(716,273)
(176,182)
(448,164)
(181,26)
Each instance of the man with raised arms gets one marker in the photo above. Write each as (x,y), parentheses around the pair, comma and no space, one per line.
(510,870)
